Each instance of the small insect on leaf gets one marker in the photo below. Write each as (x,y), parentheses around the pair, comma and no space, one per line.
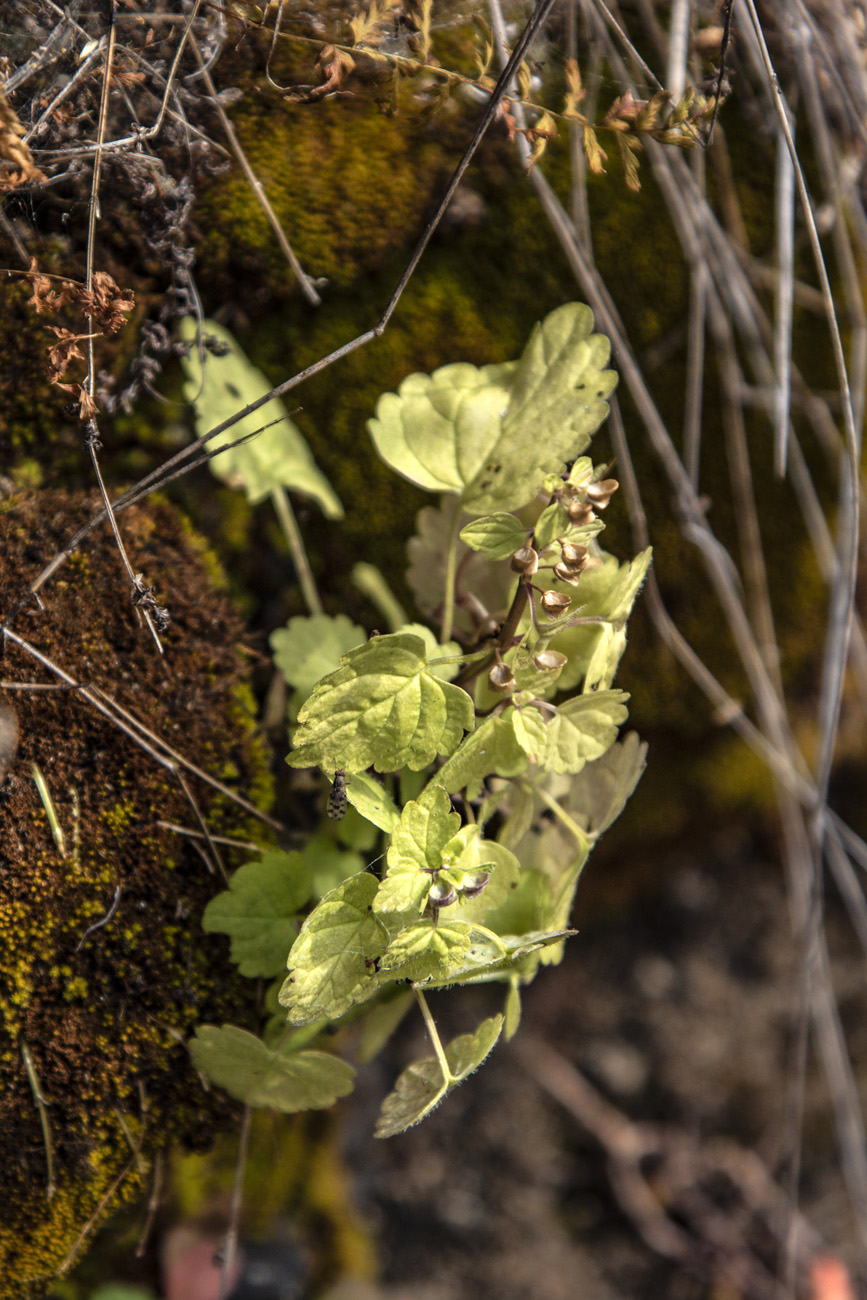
(336,806)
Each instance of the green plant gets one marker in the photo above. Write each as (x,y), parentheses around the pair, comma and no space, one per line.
(495,739)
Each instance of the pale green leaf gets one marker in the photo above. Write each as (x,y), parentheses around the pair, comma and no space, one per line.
(485,962)
(423,950)
(530,730)
(491,584)
(329,863)
(582,729)
(331,965)
(277,457)
(419,1089)
(492,748)
(284,1080)
(310,645)
(512,1011)
(491,435)
(382,708)
(416,851)
(599,793)
(606,592)
(257,911)
(497,536)
(373,801)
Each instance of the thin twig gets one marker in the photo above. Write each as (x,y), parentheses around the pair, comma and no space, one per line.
(230,1244)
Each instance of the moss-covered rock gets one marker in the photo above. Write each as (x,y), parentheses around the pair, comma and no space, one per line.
(103,970)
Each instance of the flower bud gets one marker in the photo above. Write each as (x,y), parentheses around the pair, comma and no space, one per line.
(555,602)
(549,661)
(601,493)
(501,678)
(525,560)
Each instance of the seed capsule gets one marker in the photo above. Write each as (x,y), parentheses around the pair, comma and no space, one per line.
(580,513)
(501,678)
(442,894)
(601,493)
(549,661)
(336,806)
(570,573)
(474,883)
(555,602)
(573,554)
(525,560)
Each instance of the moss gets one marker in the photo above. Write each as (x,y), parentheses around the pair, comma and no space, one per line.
(103,1009)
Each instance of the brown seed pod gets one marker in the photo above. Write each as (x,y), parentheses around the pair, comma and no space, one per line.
(570,573)
(526,561)
(555,602)
(601,493)
(549,661)
(580,513)
(574,555)
(501,678)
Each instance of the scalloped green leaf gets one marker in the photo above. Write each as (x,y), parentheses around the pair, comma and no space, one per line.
(276,457)
(582,729)
(416,851)
(497,536)
(332,962)
(257,911)
(491,435)
(283,1079)
(491,584)
(310,646)
(421,1086)
(382,708)
(423,950)
(492,748)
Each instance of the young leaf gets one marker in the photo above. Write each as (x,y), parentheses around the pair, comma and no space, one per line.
(331,965)
(257,911)
(259,1076)
(582,729)
(372,801)
(382,708)
(422,1086)
(310,646)
(485,962)
(512,1011)
(277,457)
(491,435)
(497,536)
(423,950)
(607,592)
(416,851)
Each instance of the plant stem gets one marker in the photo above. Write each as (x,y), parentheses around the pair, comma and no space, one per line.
(451,570)
(448,1077)
(296,548)
(36,1089)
